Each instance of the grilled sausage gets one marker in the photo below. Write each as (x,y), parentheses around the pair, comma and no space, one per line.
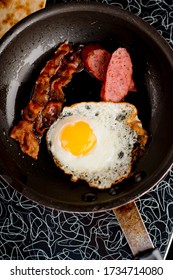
(118,76)
(96,60)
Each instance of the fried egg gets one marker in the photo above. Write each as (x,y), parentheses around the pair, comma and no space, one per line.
(95,141)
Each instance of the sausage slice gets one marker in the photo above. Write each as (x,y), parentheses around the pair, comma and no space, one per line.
(118,76)
(96,60)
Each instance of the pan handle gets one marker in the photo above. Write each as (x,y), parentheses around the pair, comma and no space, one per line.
(152,254)
(135,232)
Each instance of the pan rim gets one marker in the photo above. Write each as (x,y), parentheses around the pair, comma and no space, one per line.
(80,7)
(91,208)
(61,8)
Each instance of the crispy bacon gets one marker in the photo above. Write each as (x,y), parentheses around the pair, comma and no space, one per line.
(42,87)
(50,113)
(64,74)
(32,111)
(71,64)
(24,134)
(48,97)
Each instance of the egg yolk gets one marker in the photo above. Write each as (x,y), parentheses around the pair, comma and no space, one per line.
(78,138)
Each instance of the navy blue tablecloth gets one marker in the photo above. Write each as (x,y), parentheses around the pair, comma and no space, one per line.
(31,231)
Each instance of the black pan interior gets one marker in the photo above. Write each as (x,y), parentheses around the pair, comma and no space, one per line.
(23,52)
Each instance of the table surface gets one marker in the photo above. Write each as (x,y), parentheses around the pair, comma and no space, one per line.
(31,231)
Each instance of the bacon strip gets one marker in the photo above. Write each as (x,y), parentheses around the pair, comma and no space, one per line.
(50,113)
(71,64)
(24,134)
(47,100)
(42,87)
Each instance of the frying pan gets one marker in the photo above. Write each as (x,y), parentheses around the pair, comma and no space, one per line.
(23,53)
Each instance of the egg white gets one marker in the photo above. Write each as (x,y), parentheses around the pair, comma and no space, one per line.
(110,160)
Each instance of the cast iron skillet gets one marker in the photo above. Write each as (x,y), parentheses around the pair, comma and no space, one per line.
(23,52)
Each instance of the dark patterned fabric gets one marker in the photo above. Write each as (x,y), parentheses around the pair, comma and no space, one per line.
(30,231)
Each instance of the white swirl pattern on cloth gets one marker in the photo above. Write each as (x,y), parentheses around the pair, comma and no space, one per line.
(30,231)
